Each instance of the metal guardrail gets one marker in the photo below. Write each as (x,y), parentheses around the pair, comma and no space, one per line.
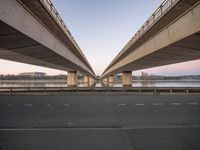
(101,89)
(158,13)
(60,22)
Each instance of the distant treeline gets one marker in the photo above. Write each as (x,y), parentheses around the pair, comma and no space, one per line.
(21,77)
(147,76)
(144,76)
(25,77)
(197,77)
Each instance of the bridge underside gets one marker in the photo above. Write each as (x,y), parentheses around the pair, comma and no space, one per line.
(18,47)
(178,41)
(184,50)
(26,38)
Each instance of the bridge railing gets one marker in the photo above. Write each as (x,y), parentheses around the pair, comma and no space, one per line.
(7,90)
(61,23)
(158,13)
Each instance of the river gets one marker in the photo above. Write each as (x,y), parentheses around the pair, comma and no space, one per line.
(136,83)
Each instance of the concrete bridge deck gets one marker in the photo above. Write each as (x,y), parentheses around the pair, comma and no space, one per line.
(27,36)
(170,35)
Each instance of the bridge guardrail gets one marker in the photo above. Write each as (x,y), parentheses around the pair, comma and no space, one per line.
(61,23)
(101,89)
(158,13)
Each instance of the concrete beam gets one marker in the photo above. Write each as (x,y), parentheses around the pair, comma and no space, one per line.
(23,34)
(177,42)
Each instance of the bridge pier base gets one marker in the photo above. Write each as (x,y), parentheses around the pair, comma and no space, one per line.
(110,80)
(127,79)
(105,81)
(91,81)
(72,79)
(86,80)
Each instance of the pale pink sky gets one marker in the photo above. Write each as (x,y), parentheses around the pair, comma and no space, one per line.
(186,68)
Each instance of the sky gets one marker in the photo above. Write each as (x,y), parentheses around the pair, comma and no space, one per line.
(102,28)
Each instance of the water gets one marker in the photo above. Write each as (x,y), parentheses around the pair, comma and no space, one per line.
(158,83)
(33,84)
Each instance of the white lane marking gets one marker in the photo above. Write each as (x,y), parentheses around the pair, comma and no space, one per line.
(175,103)
(28,105)
(70,123)
(131,127)
(48,104)
(122,104)
(193,103)
(163,126)
(55,129)
(66,105)
(157,104)
(139,104)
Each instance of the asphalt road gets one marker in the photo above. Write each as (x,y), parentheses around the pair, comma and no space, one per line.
(100,122)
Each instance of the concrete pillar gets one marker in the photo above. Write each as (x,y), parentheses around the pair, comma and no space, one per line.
(127,78)
(102,82)
(91,81)
(86,80)
(110,80)
(72,79)
(94,82)
(105,81)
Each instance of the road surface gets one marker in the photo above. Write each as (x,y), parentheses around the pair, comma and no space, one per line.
(100,121)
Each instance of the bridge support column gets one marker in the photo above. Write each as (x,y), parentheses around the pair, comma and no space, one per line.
(127,79)
(105,81)
(86,80)
(110,80)
(91,81)
(72,79)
